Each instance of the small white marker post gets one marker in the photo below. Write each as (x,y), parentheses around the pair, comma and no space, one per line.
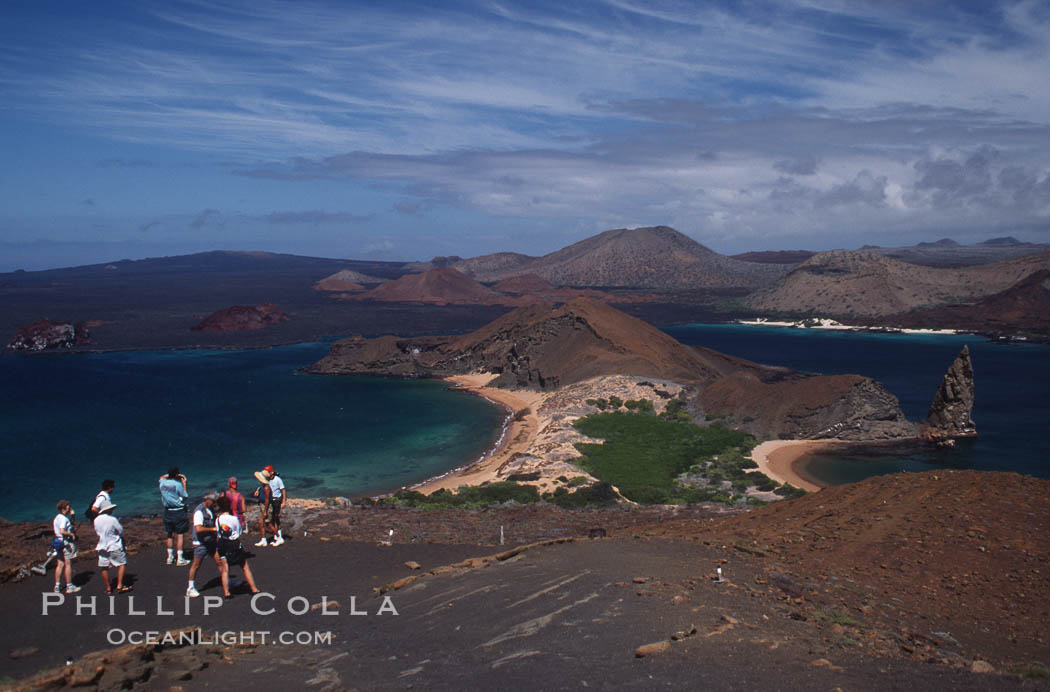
(501,534)
(719,580)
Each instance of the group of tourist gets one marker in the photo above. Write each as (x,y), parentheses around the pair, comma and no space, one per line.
(215,527)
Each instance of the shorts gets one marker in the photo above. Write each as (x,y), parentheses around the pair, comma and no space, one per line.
(176,521)
(68,549)
(275,511)
(112,557)
(204,550)
(231,552)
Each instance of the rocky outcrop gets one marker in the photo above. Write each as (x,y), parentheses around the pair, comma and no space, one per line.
(547,348)
(47,335)
(534,347)
(242,318)
(782,404)
(952,406)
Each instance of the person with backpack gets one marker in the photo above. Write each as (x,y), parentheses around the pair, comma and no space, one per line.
(65,546)
(102,496)
(173,496)
(205,544)
(230,550)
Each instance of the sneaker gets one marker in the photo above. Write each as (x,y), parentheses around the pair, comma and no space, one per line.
(72,588)
(262,543)
(171,559)
(182,562)
(58,588)
(278,541)
(192,592)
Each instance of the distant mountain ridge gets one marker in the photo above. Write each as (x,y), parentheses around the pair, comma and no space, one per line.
(847,283)
(656,257)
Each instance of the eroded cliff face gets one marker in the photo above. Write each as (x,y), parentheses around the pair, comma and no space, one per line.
(791,405)
(952,407)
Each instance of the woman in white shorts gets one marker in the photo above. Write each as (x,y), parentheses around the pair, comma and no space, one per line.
(65,546)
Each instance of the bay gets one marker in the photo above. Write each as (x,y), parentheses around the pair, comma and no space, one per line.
(1012,383)
(67,421)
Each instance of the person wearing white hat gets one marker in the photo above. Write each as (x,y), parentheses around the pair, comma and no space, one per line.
(111,546)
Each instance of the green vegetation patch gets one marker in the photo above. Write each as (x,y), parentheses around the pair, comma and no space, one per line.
(468,496)
(643,455)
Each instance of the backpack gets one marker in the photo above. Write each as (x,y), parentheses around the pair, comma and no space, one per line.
(90,513)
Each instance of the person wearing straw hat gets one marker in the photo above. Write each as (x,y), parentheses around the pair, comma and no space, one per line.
(262,495)
(110,547)
(277,498)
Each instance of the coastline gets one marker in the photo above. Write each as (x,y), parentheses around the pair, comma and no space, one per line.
(777,459)
(519,432)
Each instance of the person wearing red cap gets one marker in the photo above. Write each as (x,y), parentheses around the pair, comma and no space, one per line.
(236,501)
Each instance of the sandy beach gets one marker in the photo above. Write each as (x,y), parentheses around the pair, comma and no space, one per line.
(517,437)
(777,458)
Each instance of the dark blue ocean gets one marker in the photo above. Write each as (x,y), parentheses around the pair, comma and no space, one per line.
(1012,385)
(69,420)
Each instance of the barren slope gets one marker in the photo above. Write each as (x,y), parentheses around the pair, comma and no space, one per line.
(846,283)
(658,257)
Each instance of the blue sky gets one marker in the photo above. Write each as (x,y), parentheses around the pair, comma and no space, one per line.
(407,130)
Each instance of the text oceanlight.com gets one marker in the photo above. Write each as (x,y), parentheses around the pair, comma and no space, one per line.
(196,637)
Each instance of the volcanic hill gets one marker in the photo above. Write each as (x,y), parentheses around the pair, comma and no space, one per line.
(346,280)
(242,318)
(659,257)
(545,347)
(441,286)
(846,283)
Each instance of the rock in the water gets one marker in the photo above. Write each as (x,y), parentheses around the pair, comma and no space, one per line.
(953,403)
(45,335)
(242,317)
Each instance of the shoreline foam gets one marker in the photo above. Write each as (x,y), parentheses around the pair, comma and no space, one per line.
(519,430)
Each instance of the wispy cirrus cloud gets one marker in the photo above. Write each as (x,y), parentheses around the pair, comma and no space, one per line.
(739,123)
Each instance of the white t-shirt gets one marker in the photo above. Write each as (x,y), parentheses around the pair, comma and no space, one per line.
(102,495)
(198,520)
(109,532)
(62,523)
(229,521)
(276,488)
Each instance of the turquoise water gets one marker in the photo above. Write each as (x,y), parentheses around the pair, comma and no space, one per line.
(1012,383)
(69,420)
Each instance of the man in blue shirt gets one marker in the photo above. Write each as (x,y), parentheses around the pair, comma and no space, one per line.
(176,523)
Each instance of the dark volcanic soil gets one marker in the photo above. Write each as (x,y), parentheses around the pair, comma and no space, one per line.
(912,581)
(961,552)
